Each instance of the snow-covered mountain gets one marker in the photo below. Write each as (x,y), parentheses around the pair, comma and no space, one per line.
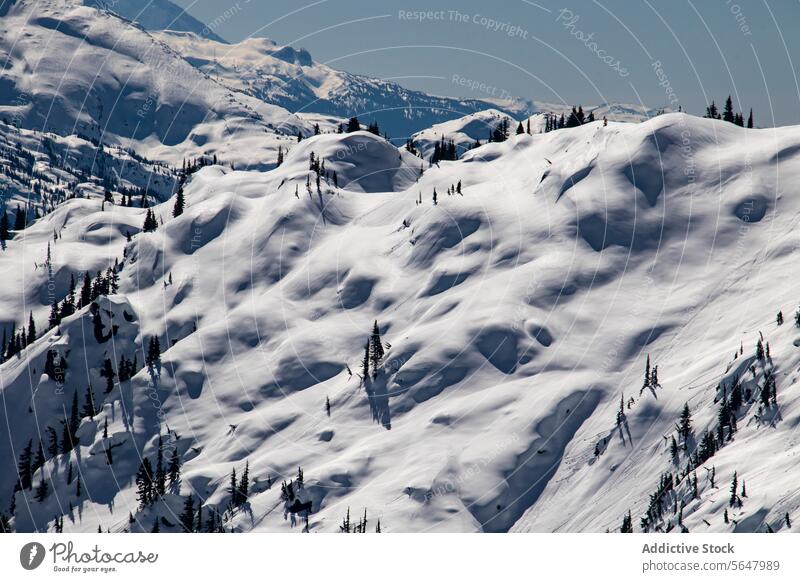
(72,69)
(156,15)
(290,78)
(516,319)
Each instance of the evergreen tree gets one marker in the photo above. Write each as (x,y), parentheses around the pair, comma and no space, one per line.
(627,524)
(734,487)
(144,484)
(712,112)
(150,222)
(31,330)
(244,484)
(153,352)
(88,404)
(750,120)
(365,363)
(86,291)
(4,227)
(177,208)
(174,471)
(685,425)
(328,406)
(161,476)
(520,129)
(376,352)
(54,318)
(727,114)
(107,372)
(38,461)
(20,219)
(233,489)
(187,517)
(353,125)
(24,466)
(52,442)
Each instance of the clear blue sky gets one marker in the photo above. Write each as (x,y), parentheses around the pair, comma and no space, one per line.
(706,48)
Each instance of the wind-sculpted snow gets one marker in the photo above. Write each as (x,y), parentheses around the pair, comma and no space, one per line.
(515,317)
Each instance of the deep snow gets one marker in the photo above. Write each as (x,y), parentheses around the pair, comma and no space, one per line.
(516,316)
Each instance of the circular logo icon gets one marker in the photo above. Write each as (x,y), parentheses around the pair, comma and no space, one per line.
(31,555)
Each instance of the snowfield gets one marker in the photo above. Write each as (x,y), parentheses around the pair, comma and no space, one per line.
(515,317)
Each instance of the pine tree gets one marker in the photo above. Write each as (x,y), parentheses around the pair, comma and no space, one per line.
(365,363)
(88,404)
(108,373)
(153,355)
(345,527)
(20,219)
(144,484)
(627,524)
(39,459)
(4,227)
(174,471)
(244,484)
(685,426)
(376,352)
(734,487)
(328,406)
(86,291)
(53,319)
(353,125)
(727,114)
(24,466)
(150,222)
(52,442)
(161,476)
(177,208)
(750,119)
(187,517)
(233,489)
(31,330)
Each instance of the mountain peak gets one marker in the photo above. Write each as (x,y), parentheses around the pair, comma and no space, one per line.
(157,15)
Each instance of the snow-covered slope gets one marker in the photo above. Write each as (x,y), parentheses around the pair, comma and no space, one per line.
(156,15)
(72,69)
(514,318)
